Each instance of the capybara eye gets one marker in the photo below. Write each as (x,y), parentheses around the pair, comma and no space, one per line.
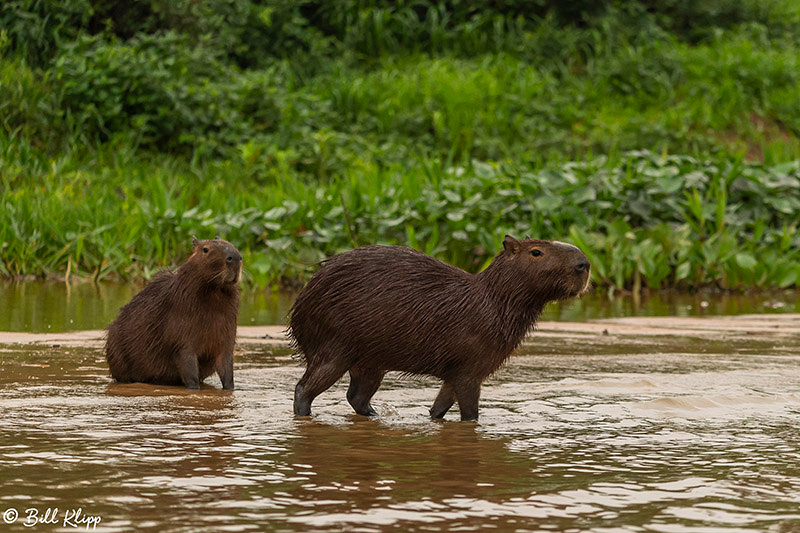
(537,253)
(205,250)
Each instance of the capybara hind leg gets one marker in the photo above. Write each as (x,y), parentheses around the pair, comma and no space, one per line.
(444,401)
(468,393)
(363,384)
(189,369)
(314,382)
(225,370)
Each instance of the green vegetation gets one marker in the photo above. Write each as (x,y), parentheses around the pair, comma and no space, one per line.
(663,138)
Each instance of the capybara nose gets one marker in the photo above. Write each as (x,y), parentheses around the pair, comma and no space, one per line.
(232,258)
(583,266)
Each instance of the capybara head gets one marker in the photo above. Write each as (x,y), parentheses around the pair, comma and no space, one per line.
(558,270)
(219,259)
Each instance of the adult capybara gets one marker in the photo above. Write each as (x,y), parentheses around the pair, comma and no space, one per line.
(181,328)
(381,308)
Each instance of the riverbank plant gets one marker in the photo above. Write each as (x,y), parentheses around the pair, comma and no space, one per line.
(645,220)
(660,137)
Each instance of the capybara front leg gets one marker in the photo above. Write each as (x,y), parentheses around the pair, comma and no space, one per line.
(444,401)
(363,385)
(225,370)
(315,381)
(188,369)
(468,394)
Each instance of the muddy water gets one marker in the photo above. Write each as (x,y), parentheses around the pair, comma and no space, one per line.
(660,433)
(37,306)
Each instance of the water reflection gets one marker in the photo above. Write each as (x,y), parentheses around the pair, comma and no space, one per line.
(675,304)
(40,306)
(688,437)
(449,460)
(48,306)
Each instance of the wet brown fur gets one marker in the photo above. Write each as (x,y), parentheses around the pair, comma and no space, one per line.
(181,327)
(387,308)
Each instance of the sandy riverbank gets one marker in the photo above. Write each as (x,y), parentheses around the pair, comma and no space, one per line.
(728,327)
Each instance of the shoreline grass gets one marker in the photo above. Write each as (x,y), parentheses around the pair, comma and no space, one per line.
(644,219)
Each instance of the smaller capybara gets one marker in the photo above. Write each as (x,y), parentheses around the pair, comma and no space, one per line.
(181,327)
(381,308)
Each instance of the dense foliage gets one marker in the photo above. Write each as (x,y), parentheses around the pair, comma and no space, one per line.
(299,129)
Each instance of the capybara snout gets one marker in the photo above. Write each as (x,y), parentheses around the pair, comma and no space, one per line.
(221,257)
(377,309)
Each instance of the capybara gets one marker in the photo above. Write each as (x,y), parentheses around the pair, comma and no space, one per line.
(181,327)
(381,308)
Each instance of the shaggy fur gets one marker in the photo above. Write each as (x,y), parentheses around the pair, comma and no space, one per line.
(181,328)
(381,308)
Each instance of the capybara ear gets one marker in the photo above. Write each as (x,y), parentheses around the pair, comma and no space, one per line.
(510,244)
(527,237)
(195,242)
(216,238)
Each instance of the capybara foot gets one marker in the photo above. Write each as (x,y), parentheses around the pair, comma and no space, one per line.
(302,404)
(302,409)
(443,402)
(369,411)
(362,408)
(437,414)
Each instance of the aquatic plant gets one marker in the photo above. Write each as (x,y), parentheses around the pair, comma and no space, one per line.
(644,219)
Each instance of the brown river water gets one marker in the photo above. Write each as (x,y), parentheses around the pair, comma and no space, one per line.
(610,425)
